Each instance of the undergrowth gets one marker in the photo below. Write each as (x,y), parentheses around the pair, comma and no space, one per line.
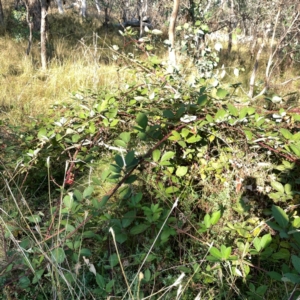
(145,183)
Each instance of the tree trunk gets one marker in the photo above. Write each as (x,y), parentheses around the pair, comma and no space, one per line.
(172,53)
(60,6)
(83,9)
(230,27)
(1,14)
(44,8)
(98,6)
(34,13)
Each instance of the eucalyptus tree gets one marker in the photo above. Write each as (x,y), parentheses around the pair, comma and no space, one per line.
(1,14)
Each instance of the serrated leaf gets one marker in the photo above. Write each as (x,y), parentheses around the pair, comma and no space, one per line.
(288,189)
(131,179)
(85,252)
(265,240)
(34,219)
(295,149)
(88,191)
(206,221)
(220,115)
(257,244)
(280,216)
(215,252)
(193,139)
(232,109)
(181,171)
(221,93)
(225,251)
(128,218)
(130,158)
(291,277)
(171,189)
(100,281)
(58,255)
(120,143)
(37,276)
(119,160)
(286,134)
(113,260)
(139,228)
(125,137)
(68,201)
(156,155)
(167,156)
(277,186)
(275,275)
(215,217)
(142,120)
(296,263)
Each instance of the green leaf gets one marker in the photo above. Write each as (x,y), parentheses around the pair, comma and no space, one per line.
(221,115)
(277,186)
(221,93)
(119,160)
(171,189)
(75,138)
(181,171)
(243,113)
(207,221)
(225,252)
(34,219)
(58,255)
(257,244)
(37,276)
(77,194)
(167,156)
(280,216)
(275,275)
(85,252)
(102,202)
(68,201)
(147,275)
(131,179)
(42,134)
(88,191)
(100,281)
(109,286)
(175,136)
(139,228)
(113,260)
(125,137)
(215,217)
(142,120)
(120,143)
(266,240)
(129,158)
(193,139)
(168,114)
(24,282)
(233,110)
(215,252)
(209,118)
(296,262)
(294,278)
(295,149)
(156,155)
(286,134)
(202,100)
(128,218)
(281,254)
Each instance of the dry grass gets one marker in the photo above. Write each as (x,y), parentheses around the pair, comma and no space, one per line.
(26,91)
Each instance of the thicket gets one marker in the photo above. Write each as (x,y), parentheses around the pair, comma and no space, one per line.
(166,187)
